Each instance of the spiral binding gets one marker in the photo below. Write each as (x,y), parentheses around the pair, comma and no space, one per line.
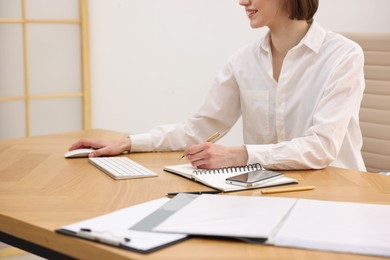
(249,167)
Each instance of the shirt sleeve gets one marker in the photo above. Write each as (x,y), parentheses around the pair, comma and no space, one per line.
(219,112)
(337,109)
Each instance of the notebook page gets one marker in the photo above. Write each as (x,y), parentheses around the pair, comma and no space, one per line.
(185,170)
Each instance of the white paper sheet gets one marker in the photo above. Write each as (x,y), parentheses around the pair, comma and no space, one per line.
(231,216)
(337,226)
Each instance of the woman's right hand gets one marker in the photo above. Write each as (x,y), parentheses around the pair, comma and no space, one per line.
(103,147)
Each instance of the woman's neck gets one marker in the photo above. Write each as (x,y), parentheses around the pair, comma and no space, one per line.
(286,35)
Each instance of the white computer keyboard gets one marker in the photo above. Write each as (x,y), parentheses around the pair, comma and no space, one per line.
(121,167)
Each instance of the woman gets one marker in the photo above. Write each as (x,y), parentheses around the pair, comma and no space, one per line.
(298,90)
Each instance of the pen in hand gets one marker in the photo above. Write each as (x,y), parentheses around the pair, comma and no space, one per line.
(210,139)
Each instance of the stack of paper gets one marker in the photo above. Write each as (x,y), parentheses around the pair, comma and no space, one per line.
(312,224)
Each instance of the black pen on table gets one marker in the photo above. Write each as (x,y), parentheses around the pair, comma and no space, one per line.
(172,194)
(210,139)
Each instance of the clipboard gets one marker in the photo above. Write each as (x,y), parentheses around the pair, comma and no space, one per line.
(113,229)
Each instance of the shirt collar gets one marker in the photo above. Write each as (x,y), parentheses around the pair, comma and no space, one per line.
(313,39)
(265,44)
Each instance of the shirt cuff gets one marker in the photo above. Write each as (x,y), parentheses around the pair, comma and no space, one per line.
(141,143)
(259,154)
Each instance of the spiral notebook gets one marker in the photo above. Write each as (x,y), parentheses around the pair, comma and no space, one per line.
(215,178)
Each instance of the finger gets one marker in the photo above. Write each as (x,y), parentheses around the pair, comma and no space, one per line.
(194,149)
(199,160)
(76,145)
(201,164)
(87,143)
(98,153)
(192,157)
(102,151)
(95,154)
(197,164)
(196,152)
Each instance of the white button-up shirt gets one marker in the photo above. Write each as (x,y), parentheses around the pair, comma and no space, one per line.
(309,119)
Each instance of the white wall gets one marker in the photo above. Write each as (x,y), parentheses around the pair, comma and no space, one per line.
(152,62)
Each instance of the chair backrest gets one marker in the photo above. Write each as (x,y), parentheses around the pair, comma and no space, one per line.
(375,108)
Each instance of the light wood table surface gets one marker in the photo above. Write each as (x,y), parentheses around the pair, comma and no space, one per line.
(41,191)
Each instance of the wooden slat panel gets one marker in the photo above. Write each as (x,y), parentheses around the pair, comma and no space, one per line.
(371,41)
(374,116)
(376,146)
(377,87)
(370,169)
(381,102)
(377,72)
(378,131)
(379,58)
(375,109)
(376,162)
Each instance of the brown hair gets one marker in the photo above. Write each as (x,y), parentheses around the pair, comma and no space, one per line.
(302,9)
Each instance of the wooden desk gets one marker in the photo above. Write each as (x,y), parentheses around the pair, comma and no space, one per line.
(41,191)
